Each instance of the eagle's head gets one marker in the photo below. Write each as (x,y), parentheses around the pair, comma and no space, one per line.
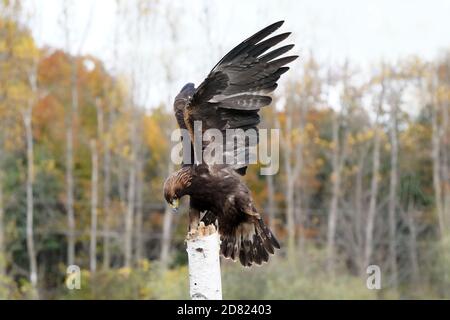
(176,186)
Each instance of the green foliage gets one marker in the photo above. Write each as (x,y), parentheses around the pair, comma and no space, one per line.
(440,268)
(280,279)
(284,279)
(11,289)
(147,281)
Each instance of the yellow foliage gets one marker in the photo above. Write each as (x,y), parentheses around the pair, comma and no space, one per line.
(332,145)
(154,138)
(124,272)
(144,264)
(369,134)
(26,49)
(319,162)
(310,127)
(19,92)
(351,141)
(387,147)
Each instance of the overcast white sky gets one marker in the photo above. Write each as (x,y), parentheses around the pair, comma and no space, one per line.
(362,31)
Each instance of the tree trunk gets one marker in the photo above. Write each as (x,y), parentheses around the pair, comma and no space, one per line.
(336,185)
(167,230)
(204,264)
(446,163)
(373,198)
(290,214)
(30,201)
(437,168)
(293,169)
(412,241)
(166,237)
(121,177)
(332,221)
(139,213)
(94,206)
(373,186)
(359,252)
(298,166)
(271,201)
(131,197)
(290,184)
(107,193)
(69,167)
(107,151)
(2,218)
(130,215)
(300,219)
(392,205)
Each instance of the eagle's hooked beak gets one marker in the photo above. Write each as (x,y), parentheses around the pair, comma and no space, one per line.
(175,204)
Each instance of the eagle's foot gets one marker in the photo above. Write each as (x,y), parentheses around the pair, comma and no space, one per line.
(201,230)
(192,234)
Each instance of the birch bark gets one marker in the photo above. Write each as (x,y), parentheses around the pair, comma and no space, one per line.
(204,264)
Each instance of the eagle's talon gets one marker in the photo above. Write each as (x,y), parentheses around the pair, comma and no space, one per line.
(192,234)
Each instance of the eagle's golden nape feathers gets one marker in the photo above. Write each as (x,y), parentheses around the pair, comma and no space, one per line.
(251,243)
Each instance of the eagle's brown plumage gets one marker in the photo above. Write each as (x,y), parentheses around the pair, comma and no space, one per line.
(219,190)
(230,98)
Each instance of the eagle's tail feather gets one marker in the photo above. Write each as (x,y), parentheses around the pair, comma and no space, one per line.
(251,243)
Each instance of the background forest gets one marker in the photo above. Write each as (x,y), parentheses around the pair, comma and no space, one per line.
(84,151)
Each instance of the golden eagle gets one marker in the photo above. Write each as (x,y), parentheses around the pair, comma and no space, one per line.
(230,98)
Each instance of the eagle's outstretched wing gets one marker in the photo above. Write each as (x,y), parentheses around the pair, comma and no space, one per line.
(238,86)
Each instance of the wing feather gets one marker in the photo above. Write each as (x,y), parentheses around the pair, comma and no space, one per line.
(237,87)
(249,42)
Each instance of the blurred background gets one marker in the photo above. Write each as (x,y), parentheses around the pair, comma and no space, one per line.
(86,91)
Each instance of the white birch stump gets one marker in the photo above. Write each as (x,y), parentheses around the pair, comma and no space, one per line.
(204,265)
